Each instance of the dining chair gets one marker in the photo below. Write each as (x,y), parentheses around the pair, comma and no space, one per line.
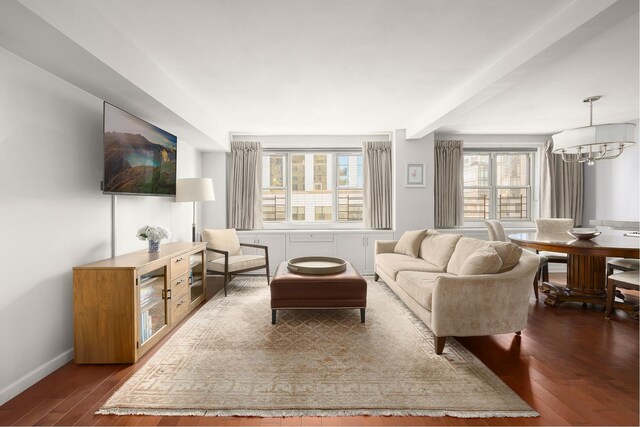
(553,226)
(622,264)
(625,280)
(496,233)
(225,257)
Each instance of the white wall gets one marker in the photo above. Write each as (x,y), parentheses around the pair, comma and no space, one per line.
(414,205)
(611,189)
(132,212)
(53,215)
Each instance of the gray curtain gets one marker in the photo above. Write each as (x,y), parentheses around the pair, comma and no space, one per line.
(377,184)
(448,195)
(245,194)
(561,187)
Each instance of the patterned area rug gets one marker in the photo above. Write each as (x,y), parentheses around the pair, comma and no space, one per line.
(228,359)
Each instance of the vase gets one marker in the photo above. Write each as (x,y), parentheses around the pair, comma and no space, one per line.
(154,245)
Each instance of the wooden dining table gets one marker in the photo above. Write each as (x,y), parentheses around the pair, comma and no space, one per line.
(586,262)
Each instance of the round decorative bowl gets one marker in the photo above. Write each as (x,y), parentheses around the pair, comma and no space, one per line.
(316,265)
(584,233)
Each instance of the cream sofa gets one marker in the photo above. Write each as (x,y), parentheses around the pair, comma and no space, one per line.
(436,286)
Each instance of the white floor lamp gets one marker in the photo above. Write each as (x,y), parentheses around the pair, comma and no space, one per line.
(194,190)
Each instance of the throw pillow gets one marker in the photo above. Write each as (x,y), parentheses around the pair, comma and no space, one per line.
(224,240)
(509,253)
(464,248)
(409,243)
(482,261)
(437,248)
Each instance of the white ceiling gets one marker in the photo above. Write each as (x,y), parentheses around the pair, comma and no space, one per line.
(359,66)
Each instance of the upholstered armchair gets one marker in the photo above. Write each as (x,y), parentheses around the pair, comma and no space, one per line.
(225,257)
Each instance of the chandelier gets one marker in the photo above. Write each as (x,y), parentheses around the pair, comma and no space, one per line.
(591,143)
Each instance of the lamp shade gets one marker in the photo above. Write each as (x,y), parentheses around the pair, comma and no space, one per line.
(612,135)
(194,190)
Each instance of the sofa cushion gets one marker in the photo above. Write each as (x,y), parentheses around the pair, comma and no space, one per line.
(236,262)
(409,243)
(437,248)
(391,264)
(483,261)
(509,253)
(419,285)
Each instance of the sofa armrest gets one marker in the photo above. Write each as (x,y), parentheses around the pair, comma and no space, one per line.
(385,246)
(483,304)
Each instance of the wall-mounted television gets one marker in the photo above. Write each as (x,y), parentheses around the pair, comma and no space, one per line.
(139,158)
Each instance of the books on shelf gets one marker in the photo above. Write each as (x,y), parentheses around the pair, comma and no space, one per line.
(146,326)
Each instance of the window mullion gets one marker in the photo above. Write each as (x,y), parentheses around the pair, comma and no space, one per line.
(493,174)
(288,209)
(335,186)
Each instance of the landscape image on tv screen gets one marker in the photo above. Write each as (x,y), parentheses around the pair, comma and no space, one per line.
(139,158)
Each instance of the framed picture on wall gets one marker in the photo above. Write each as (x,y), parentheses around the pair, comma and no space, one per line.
(414,175)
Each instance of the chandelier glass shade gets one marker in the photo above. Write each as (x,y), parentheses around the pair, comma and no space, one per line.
(594,142)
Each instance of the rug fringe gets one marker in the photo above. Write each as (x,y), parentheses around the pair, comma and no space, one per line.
(319,413)
(159,412)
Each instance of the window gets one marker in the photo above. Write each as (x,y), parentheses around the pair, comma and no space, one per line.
(274,192)
(350,187)
(497,185)
(297,172)
(312,187)
(323,213)
(297,213)
(320,172)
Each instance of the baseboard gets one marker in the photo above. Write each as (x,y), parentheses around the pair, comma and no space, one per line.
(29,379)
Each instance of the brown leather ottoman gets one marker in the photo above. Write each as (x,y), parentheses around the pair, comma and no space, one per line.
(305,291)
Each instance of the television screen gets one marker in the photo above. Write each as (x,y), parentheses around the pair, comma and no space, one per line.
(139,158)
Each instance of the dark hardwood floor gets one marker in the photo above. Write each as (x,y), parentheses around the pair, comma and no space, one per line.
(570,364)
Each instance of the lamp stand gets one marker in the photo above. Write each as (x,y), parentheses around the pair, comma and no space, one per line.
(193,224)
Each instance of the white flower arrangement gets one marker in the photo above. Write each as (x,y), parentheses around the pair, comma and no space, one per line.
(149,232)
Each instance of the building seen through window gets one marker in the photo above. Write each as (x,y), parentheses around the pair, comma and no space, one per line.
(319,187)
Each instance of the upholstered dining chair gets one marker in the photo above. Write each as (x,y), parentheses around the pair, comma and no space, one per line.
(622,264)
(553,226)
(496,233)
(625,280)
(225,257)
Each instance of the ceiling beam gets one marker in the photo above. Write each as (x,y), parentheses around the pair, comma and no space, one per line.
(580,21)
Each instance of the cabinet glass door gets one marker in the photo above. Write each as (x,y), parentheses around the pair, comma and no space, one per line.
(153,307)
(196,272)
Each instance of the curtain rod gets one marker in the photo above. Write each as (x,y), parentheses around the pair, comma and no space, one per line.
(314,150)
(499,149)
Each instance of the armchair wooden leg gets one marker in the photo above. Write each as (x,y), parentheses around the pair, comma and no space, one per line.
(611,293)
(536,281)
(226,280)
(376,277)
(266,259)
(439,343)
(268,276)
